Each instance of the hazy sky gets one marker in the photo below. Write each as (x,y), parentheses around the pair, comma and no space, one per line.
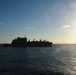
(53,20)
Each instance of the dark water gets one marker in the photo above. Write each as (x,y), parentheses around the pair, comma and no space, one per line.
(55,60)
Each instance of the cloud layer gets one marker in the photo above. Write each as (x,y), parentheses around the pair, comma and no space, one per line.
(30,27)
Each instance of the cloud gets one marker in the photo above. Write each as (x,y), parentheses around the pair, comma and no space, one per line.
(73,4)
(66,26)
(30,27)
(1,23)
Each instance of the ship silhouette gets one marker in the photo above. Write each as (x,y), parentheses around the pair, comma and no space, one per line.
(22,42)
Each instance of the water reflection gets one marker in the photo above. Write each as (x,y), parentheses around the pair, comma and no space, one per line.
(56,60)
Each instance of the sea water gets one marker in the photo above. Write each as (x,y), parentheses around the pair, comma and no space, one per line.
(55,60)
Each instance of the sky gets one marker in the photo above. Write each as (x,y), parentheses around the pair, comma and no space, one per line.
(52,20)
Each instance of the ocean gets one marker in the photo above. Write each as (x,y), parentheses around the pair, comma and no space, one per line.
(60,59)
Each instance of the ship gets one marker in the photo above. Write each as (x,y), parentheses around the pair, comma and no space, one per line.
(22,42)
